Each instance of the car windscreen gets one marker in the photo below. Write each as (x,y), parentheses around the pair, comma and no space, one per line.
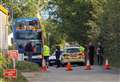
(72,50)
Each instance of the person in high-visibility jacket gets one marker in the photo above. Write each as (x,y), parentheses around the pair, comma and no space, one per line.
(46,53)
(82,49)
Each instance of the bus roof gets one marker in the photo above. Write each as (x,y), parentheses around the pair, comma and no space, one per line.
(26,19)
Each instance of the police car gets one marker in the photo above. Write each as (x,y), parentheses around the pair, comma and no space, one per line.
(73,55)
(69,54)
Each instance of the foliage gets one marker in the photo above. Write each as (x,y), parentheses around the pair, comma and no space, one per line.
(110,31)
(3,80)
(76,19)
(54,34)
(3,64)
(25,66)
(20,78)
(25,8)
(1,71)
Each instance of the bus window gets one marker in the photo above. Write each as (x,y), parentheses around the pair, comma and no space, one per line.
(33,23)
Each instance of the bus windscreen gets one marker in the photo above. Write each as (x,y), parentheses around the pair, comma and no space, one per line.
(27,35)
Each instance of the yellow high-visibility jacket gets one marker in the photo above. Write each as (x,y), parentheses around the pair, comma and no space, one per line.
(46,50)
(82,49)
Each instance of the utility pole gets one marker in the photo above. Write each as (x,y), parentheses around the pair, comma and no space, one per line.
(12,13)
(11,23)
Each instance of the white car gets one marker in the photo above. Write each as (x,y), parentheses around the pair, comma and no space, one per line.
(73,55)
(52,59)
(69,54)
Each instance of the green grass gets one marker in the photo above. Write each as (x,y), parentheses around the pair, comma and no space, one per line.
(25,66)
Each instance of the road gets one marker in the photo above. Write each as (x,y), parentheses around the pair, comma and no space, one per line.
(97,74)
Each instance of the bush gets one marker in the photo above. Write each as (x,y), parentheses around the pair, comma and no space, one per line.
(1,72)
(25,66)
(3,64)
(19,78)
(3,80)
(6,63)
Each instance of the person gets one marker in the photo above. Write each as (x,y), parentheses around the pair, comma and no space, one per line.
(91,52)
(29,49)
(46,54)
(99,51)
(21,52)
(57,55)
(82,49)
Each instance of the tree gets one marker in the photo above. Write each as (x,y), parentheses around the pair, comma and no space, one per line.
(25,8)
(110,31)
(53,34)
(78,19)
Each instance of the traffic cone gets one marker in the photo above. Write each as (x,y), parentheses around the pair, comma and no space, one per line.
(88,66)
(107,65)
(44,67)
(69,67)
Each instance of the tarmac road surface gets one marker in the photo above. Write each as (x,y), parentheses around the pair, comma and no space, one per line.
(97,74)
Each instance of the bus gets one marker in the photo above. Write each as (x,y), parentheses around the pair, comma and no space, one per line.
(28,30)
